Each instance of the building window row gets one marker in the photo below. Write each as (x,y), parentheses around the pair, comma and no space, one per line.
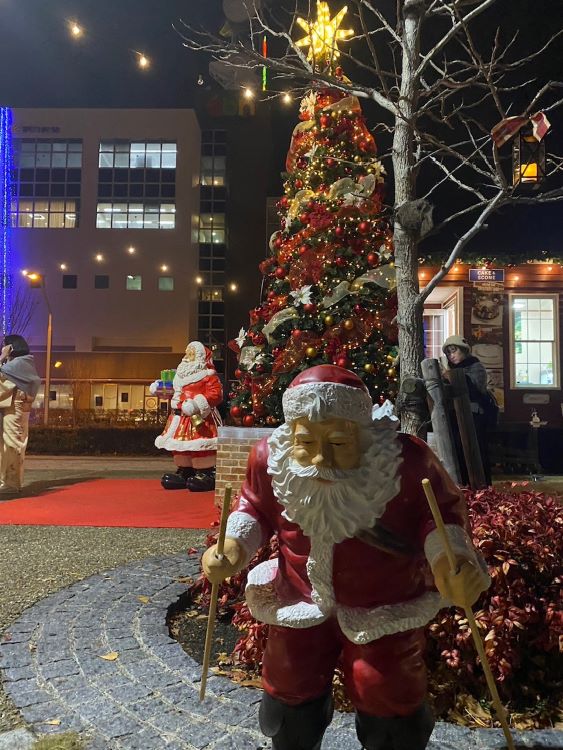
(41,214)
(138,155)
(135,215)
(133,283)
(212,228)
(50,154)
(140,183)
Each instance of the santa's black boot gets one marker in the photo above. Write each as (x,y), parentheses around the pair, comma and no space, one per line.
(177,481)
(295,727)
(410,732)
(202,481)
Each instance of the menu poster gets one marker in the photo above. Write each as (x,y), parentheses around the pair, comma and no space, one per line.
(487,333)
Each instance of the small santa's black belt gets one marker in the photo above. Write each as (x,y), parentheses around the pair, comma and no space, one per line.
(385,540)
(178,412)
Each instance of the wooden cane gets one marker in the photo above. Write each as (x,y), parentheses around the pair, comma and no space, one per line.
(499,708)
(214,592)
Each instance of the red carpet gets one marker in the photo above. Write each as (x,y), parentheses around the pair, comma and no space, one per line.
(138,503)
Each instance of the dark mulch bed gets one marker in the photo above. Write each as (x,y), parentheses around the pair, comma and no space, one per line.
(188,625)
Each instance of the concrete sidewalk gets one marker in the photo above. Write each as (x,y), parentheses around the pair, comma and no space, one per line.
(70,596)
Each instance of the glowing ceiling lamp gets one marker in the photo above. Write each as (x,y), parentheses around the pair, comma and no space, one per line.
(6,157)
(323,35)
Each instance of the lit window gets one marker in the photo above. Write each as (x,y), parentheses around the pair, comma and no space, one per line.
(137,155)
(534,356)
(134,283)
(165,283)
(212,228)
(44,214)
(136,215)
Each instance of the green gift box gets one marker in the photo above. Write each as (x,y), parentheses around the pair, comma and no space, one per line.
(167,376)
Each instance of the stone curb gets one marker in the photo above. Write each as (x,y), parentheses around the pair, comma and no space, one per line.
(147,697)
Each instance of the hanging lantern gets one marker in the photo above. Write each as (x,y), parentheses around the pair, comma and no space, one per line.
(528,159)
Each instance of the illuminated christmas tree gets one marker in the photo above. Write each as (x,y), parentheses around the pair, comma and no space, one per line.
(329,279)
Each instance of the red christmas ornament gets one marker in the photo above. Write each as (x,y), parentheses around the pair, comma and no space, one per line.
(259,339)
(280,272)
(373,259)
(343,362)
(311,205)
(358,309)
(340,261)
(278,242)
(330,162)
(339,231)
(236,411)
(284,201)
(301,163)
(271,294)
(310,307)
(304,218)
(248,420)
(303,249)
(363,227)
(296,333)
(238,374)
(298,184)
(324,120)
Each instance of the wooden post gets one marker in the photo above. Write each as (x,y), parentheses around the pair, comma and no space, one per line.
(441,424)
(466,427)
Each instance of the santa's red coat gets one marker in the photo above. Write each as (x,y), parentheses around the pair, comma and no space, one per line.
(375,593)
(180,433)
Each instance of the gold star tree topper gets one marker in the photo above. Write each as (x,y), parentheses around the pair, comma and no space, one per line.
(323,35)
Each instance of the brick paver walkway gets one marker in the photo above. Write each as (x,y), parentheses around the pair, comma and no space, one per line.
(147,698)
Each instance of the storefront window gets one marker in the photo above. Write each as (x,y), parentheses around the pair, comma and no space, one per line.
(534,340)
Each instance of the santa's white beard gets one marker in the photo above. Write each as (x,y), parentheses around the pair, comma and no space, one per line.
(349,500)
(186,367)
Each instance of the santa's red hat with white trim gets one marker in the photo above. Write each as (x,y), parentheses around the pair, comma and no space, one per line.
(326,392)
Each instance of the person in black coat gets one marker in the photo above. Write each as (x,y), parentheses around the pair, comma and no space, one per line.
(458,354)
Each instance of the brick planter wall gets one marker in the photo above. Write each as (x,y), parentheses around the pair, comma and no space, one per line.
(234,445)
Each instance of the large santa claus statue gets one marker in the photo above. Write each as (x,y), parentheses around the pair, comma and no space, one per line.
(191,430)
(357,542)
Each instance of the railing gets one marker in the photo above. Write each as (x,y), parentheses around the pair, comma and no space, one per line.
(101,417)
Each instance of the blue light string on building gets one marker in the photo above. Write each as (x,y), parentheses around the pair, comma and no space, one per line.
(6,160)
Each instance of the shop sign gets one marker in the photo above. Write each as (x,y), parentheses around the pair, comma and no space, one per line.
(479,275)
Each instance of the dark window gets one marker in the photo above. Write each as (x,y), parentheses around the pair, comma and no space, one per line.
(101,282)
(52,395)
(70,281)
(98,400)
(124,398)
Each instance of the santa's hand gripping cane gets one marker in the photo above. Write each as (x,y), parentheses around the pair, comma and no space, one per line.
(214,592)
(499,708)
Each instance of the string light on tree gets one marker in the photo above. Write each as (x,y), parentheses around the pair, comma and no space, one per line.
(75,29)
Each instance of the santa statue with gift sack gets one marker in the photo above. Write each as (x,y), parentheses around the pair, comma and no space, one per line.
(191,430)
(361,566)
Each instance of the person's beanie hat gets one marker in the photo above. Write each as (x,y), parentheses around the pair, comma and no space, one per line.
(325,392)
(458,341)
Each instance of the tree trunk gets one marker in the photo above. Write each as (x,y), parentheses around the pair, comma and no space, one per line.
(409,314)
(441,426)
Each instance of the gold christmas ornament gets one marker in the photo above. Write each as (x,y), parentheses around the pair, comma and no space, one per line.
(329,320)
(391,372)
(348,324)
(311,352)
(368,367)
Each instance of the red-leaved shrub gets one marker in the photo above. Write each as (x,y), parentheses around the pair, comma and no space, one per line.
(520,617)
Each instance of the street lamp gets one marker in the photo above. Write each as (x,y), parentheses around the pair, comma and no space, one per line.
(37,279)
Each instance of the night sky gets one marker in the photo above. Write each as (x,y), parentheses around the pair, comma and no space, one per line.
(41,66)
